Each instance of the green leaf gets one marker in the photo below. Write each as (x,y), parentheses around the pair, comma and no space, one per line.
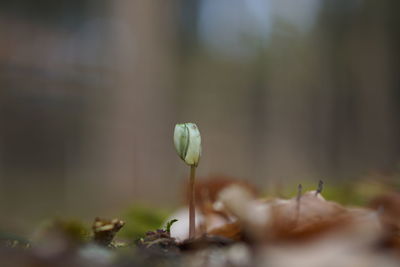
(169,224)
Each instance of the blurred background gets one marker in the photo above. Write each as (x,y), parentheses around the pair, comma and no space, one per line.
(282,90)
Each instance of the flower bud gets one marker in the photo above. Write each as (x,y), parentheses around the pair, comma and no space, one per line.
(187,142)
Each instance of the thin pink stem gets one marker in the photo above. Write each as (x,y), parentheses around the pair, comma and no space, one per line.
(192,214)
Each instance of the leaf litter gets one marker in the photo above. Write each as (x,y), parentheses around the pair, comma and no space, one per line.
(235,227)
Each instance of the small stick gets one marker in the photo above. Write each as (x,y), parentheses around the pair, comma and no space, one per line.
(299,192)
(320,187)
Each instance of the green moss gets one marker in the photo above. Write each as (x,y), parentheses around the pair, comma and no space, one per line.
(140,219)
(74,230)
(358,192)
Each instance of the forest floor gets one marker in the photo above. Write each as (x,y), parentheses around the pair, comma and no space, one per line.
(236,226)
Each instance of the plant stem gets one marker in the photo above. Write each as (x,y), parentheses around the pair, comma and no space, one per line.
(192,214)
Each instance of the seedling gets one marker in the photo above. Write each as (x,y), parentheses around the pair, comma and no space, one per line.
(187,142)
(169,224)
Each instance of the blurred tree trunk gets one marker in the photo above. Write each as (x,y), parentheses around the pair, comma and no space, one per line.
(363,129)
(141,122)
(330,97)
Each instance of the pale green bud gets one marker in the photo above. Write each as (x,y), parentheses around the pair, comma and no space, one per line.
(187,142)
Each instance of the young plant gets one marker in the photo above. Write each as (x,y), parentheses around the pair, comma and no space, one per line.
(169,225)
(187,142)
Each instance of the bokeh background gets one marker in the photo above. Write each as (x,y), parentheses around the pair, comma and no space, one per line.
(282,90)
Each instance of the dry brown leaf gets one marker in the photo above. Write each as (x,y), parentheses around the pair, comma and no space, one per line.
(105,230)
(228,230)
(388,206)
(305,217)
